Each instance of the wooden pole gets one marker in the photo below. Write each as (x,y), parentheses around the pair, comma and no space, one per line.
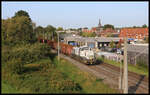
(58,47)
(120,77)
(125,81)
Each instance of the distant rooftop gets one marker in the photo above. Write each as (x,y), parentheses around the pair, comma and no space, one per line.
(93,39)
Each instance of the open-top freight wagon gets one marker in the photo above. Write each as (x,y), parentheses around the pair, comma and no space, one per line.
(82,54)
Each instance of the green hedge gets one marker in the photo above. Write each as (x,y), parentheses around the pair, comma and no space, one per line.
(27,53)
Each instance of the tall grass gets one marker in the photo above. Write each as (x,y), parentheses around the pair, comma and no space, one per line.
(31,68)
(89,83)
(140,68)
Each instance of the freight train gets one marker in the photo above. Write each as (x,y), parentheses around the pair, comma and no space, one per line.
(83,54)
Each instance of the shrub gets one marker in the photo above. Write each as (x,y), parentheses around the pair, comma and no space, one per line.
(64,86)
(46,66)
(27,53)
(15,66)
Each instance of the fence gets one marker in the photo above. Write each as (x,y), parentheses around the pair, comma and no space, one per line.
(144,58)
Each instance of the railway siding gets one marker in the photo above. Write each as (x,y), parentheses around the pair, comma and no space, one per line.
(106,79)
(113,78)
(110,76)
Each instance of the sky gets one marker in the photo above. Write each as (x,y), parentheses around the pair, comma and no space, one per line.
(80,14)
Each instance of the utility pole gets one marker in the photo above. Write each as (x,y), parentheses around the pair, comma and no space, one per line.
(120,77)
(125,74)
(52,36)
(43,36)
(58,45)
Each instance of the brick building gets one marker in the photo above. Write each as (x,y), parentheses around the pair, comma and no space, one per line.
(109,32)
(97,29)
(135,33)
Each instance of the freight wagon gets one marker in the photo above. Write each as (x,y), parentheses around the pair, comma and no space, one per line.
(82,54)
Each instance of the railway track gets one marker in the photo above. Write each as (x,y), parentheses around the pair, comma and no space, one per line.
(135,75)
(139,84)
(110,74)
(131,75)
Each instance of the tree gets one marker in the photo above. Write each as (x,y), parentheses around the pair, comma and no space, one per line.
(112,44)
(22,13)
(109,35)
(144,26)
(88,34)
(93,34)
(108,26)
(33,25)
(18,29)
(59,29)
(51,30)
(79,29)
(39,30)
(4,29)
(136,27)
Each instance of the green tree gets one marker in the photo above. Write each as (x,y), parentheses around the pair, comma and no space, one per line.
(18,29)
(93,34)
(108,26)
(136,27)
(144,26)
(22,13)
(33,25)
(112,44)
(39,31)
(4,28)
(88,34)
(59,29)
(51,30)
(109,35)
(79,29)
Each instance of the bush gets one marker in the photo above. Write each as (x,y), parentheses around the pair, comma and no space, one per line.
(46,66)
(27,53)
(63,85)
(15,66)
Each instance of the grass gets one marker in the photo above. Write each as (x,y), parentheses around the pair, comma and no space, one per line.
(88,82)
(6,88)
(136,69)
(35,80)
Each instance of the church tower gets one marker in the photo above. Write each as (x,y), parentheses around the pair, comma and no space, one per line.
(99,24)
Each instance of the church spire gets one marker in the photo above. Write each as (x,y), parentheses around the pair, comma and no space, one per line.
(99,25)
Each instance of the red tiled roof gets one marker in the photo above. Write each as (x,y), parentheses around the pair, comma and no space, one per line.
(134,32)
